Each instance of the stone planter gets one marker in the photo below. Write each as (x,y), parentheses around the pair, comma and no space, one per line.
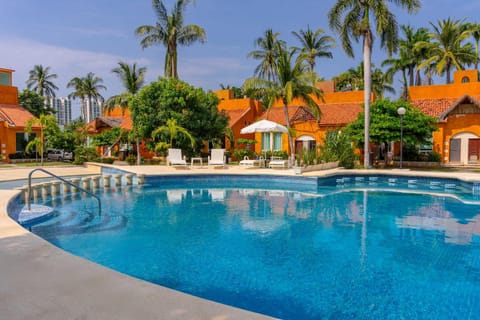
(315,167)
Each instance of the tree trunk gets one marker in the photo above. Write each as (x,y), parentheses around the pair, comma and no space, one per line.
(137,140)
(367,78)
(290,138)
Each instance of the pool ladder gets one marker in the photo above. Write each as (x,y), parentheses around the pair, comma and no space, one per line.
(64,181)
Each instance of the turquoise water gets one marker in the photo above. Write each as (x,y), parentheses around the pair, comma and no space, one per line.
(332,251)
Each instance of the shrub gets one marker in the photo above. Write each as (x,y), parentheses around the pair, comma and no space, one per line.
(84,154)
(239,154)
(131,159)
(434,157)
(337,146)
(108,160)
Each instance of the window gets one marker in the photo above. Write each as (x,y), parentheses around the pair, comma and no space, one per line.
(5,79)
(265,141)
(277,142)
(22,139)
(465,79)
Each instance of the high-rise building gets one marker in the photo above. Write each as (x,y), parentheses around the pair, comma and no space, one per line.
(63,109)
(91,109)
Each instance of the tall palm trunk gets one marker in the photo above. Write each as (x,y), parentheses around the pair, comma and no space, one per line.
(411,74)
(367,78)
(290,138)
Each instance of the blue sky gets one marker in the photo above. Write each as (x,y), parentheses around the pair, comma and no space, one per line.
(77,37)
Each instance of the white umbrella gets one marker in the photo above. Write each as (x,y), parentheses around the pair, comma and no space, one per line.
(265,126)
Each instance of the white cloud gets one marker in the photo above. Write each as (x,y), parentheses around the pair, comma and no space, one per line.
(23,54)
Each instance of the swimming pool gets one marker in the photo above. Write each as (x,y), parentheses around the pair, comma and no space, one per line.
(295,248)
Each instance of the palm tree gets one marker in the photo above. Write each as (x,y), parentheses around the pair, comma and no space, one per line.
(40,80)
(87,89)
(170,31)
(132,79)
(314,45)
(79,92)
(409,57)
(411,53)
(352,79)
(173,130)
(48,127)
(269,49)
(398,64)
(475,32)
(293,81)
(353,19)
(447,48)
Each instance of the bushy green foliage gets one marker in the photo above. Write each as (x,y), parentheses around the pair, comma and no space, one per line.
(109,137)
(385,124)
(337,146)
(85,154)
(34,103)
(108,160)
(191,108)
(239,154)
(306,157)
(131,159)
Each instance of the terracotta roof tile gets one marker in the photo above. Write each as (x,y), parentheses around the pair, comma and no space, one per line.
(235,115)
(15,115)
(332,113)
(435,107)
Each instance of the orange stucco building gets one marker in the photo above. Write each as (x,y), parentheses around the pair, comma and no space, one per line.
(337,108)
(13,118)
(457,108)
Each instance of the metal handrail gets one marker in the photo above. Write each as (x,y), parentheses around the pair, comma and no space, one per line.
(63,180)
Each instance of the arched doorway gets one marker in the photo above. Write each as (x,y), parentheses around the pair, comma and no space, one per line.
(464,148)
(305,142)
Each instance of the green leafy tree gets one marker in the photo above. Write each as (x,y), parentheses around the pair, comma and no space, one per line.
(34,103)
(109,137)
(40,81)
(293,80)
(170,31)
(191,108)
(171,131)
(48,129)
(356,19)
(385,126)
(315,44)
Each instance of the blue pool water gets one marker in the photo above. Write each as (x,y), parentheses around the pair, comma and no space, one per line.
(308,249)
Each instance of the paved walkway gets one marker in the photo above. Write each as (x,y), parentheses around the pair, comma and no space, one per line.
(40,281)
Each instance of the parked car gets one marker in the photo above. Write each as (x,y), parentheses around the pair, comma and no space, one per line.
(59,155)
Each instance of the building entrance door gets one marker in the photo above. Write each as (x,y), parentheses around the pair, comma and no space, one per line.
(455,145)
(473,150)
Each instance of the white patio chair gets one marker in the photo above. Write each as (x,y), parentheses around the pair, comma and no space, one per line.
(278,162)
(217,158)
(175,158)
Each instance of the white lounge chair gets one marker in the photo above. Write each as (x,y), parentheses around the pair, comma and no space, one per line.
(217,158)
(175,158)
(246,162)
(278,162)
